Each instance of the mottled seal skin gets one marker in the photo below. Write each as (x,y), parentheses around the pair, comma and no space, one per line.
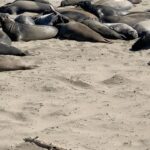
(121,5)
(51,19)
(142,43)
(139,15)
(25,20)
(130,20)
(17,31)
(142,27)
(80,32)
(40,1)
(19,7)
(124,29)
(47,19)
(102,29)
(135,1)
(4,38)
(70,2)
(99,10)
(12,63)
(77,15)
(10,50)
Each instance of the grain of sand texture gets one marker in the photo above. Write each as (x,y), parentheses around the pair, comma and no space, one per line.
(84,96)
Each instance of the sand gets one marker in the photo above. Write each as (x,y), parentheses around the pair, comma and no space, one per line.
(83,96)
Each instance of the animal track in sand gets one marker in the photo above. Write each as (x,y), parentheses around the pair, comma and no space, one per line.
(116,80)
(75,82)
(14,115)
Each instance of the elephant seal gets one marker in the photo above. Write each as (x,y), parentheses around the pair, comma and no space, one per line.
(100,10)
(142,43)
(102,29)
(124,29)
(80,32)
(10,50)
(19,7)
(51,19)
(142,27)
(11,63)
(135,1)
(139,15)
(40,1)
(70,2)
(121,5)
(25,20)
(4,38)
(127,19)
(77,15)
(17,31)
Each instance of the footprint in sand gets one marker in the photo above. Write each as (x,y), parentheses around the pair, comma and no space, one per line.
(75,82)
(116,80)
(19,116)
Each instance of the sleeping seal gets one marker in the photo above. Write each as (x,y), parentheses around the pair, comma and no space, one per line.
(80,32)
(77,15)
(10,50)
(124,29)
(135,1)
(17,31)
(40,1)
(142,43)
(121,5)
(100,10)
(142,27)
(70,2)
(102,29)
(130,20)
(19,7)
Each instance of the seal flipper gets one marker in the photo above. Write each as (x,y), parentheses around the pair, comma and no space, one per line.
(142,43)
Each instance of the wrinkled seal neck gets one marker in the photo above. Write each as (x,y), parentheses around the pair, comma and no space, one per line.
(8,25)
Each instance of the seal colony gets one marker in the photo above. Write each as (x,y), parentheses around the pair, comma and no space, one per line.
(86,20)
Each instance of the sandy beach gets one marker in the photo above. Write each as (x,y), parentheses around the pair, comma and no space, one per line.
(83,96)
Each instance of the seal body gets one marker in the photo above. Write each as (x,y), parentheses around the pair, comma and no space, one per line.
(19,7)
(102,29)
(17,31)
(70,2)
(10,50)
(130,19)
(100,10)
(80,32)
(77,15)
(121,5)
(4,38)
(142,43)
(47,19)
(135,1)
(40,1)
(142,27)
(25,20)
(124,29)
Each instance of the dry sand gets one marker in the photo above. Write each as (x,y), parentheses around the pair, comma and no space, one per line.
(84,96)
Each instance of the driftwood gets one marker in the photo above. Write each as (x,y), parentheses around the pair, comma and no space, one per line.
(42,144)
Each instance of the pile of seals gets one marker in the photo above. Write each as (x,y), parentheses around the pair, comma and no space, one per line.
(81,20)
